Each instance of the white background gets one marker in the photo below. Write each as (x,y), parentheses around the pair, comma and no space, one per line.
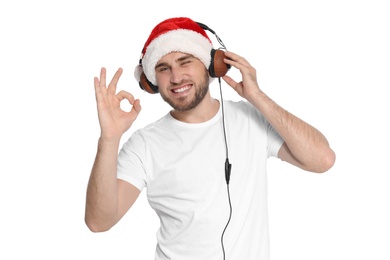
(326,61)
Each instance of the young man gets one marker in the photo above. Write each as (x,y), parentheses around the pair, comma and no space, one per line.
(184,160)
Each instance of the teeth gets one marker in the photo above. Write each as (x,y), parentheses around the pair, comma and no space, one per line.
(179,90)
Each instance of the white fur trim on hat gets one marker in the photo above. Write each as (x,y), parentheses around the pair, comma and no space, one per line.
(138,72)
(180,40)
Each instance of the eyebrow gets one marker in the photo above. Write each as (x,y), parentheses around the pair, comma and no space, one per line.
(182,58)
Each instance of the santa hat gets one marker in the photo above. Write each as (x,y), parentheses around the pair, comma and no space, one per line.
(175,34)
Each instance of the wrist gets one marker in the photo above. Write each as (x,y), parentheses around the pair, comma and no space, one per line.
(256,97)
(113,140)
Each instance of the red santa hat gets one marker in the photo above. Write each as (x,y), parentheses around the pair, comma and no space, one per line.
(179,34)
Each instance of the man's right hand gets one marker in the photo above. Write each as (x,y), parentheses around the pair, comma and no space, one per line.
(114,121)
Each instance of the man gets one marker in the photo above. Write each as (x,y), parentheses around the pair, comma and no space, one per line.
(202,161)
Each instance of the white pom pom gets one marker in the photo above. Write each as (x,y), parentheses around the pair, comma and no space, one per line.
(138,72)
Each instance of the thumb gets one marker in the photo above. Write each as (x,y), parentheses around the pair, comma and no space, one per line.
(231,82)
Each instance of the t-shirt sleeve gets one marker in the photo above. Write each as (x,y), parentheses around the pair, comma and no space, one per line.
(131,159)
(274,140)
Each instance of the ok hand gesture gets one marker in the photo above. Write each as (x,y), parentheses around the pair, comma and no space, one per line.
(113,120)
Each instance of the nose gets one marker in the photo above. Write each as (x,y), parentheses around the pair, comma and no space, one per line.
(176,75)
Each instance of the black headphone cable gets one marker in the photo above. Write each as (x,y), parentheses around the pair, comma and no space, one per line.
(228,168)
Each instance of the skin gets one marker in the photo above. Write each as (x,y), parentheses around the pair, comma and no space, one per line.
(108,198)
(181,101)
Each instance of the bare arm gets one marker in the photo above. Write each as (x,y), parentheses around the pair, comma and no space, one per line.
(108,198)
(304,146)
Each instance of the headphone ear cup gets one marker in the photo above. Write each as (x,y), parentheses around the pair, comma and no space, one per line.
(146,85)
(218,68)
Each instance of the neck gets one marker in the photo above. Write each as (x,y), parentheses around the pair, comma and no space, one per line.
(205,110)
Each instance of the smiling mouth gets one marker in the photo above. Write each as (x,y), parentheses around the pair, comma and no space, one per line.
(182,89)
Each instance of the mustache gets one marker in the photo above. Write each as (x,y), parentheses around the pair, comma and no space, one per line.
(181,82)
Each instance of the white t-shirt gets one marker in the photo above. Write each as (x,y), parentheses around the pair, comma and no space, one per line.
(182,167)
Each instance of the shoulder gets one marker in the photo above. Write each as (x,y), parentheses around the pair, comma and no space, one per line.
(156,126)
(242,108)
(243,114)
(139,136)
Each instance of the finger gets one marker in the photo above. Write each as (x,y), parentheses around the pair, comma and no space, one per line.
(235,60)
(232,56)
(231,82)
(103,77)
(125,95)
(235,57)
(112,86)
(96,83)
(99,85)
(136,109)
(136,104)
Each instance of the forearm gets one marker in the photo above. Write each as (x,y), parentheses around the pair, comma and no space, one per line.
(102,192)
(307,145)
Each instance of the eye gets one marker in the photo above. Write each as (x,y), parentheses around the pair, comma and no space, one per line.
(187,61)
(162,69)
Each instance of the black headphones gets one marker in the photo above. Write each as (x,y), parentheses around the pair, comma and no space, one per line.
(217,67)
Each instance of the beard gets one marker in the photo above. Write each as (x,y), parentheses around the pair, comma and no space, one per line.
(184,104)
